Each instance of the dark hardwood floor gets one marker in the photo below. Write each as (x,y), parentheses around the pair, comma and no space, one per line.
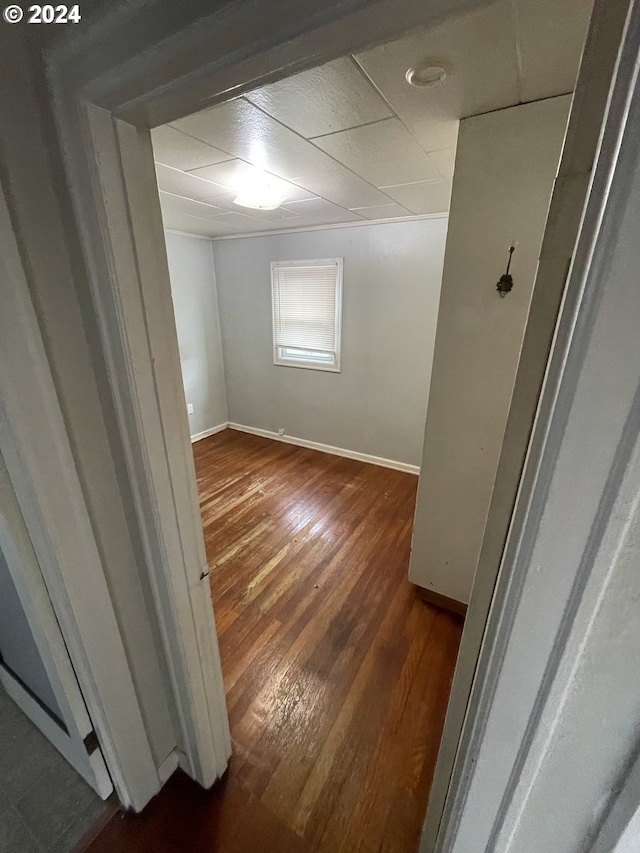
(337,675)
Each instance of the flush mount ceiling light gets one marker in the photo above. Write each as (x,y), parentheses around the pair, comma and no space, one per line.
(426,75)
(260,191)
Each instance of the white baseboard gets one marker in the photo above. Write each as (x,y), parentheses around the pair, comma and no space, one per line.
(207,432)
(328,448)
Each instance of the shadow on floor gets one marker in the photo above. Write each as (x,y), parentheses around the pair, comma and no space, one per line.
(184,817)
(45,806)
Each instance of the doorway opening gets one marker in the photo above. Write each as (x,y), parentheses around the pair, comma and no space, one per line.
(287,514)
(125,302)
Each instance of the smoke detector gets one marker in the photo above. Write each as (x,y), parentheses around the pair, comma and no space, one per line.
(426,75)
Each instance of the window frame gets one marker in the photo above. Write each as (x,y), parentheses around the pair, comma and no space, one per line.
(281,360)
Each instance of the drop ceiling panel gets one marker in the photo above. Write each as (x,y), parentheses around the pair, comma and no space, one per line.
(444,161)
(335,183)
(233,172)
(553,69)
(353,139)
(383,153)
(322,212)
(384,211)
(278,215)
(228,174)
(191,224)
(480,51)
(187,185)
(251,135)
(242,221)
(176,149)
(222,228)
(334,97)
(178,204)
(344,188)
(422,197)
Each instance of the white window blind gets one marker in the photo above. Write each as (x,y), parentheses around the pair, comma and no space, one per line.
(306,313)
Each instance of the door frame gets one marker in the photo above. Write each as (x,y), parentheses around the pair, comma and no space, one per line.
(582,296)
(70,732)
(560,559)
(104,110)
(557,280)
(36,450)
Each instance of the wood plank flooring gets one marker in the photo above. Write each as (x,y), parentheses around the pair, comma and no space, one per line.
(337,675)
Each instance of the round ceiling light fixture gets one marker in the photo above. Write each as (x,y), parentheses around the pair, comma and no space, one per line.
(426,75)
(260,191)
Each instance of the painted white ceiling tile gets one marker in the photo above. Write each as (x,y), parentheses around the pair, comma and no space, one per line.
(342,187)
(435,134)
(383,211)
(479,50)
(220,228)
(234,172)
(298,193)
(227,203)
(226,200)
(279,224)
(242,221)
(277,215)
(551,37)
(229,174)
(187,185)
(347,165)
(320,211)
(444,161)
(334,97)
(172,148)
(383,153)
(174,221)
(251,135)
(179,204)
(422,197)
(214,125)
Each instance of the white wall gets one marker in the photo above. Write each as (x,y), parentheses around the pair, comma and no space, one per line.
(377,404)
(505,168)
(44,226)
(193,288)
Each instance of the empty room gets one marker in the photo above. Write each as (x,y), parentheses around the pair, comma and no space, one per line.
(352,254)
(319,426)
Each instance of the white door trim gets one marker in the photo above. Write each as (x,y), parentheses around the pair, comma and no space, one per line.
(554,653)
(36,451)
(567,204)
(67,731)
(110,168)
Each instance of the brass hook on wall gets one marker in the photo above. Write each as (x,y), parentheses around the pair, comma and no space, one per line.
(505,285)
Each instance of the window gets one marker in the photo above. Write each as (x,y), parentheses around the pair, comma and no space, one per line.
(307,308)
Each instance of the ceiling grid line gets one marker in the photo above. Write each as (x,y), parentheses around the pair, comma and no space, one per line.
(352,141)
(309,141)
(518,51)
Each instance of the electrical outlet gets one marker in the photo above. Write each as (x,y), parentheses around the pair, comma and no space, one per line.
(281,431)
(190,408)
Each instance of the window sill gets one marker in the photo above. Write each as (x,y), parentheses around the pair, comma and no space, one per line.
(307,365)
